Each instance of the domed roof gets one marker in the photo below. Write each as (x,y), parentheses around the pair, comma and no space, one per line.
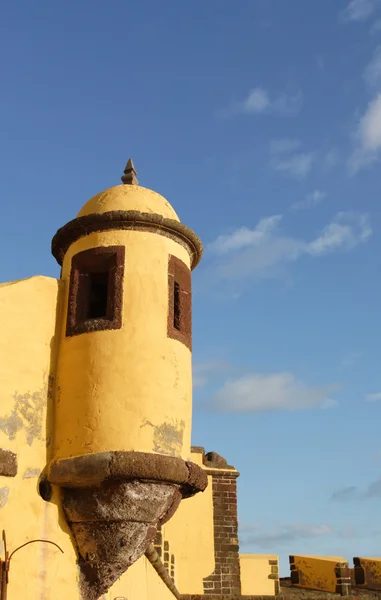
(127,206)
(129,197)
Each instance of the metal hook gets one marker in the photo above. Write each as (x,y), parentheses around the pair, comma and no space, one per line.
(5,564)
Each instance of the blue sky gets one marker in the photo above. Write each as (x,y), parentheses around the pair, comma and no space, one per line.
(260,121)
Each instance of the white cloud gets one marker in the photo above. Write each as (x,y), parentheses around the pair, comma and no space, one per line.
(374,397)
(368,137)
(285,160)
(257,392)
(259,101)
(284,534)
(297,165)
(284,145)
(372,73)
(348,230)
(245,237)
(359,10)
(203,372)
(257,252)
(312,199)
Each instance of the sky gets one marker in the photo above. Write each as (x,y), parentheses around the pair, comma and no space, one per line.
(260,121)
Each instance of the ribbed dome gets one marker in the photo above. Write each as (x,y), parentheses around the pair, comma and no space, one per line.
(129,197)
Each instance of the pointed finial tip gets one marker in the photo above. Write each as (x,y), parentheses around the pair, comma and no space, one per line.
(129,177)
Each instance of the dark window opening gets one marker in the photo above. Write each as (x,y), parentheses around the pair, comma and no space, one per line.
(176,306)
(96,290)
(97,307)
(179,324)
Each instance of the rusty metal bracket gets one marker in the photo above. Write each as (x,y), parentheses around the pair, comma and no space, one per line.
(5,564)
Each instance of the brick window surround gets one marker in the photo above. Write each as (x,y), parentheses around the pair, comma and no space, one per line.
(179,301)
(103,266)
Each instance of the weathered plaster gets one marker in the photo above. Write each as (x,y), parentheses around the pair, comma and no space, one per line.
(167,437)
(8,463)
(4,493)
(31,473)
(28,413)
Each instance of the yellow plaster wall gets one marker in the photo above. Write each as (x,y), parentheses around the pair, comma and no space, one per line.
(27,325)
(255,571)
(371,568)
(129,389)
(40,571)
(140,582)
(318,572)
(191,538)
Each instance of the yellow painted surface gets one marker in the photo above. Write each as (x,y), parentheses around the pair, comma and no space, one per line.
(27,325)
(129,197)
(40,571)
(141,582)
(255,571)
(191,539)
(128,389)
(318,572)
(372,573)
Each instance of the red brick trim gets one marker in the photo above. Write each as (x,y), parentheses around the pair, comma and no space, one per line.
(226,577)
(108,259)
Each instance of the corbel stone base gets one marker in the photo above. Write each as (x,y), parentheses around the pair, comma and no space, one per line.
(114,502)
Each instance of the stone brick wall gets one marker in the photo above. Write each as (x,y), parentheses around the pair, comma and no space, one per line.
(225,579)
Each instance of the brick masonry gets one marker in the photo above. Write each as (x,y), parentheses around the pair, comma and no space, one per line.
(226,577)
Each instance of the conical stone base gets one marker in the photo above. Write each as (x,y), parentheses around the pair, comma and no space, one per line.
(113,503)
(112,526)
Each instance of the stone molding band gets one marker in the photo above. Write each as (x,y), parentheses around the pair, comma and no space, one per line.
(126,219)
(91,470)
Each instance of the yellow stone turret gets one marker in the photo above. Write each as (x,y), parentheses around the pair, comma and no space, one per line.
(123,389)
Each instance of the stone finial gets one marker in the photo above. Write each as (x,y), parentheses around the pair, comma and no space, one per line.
(129,177)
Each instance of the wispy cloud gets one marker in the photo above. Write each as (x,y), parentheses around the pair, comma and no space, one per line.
(312,199)
(374,489)
(259,101)
(320,62)
(368,137)
(245,237)
(257,252)
(359,10)
(344,494)
(287,161)
(353,492)
(374,397)
(258,392)
(376,27)
(284,146)
(297,165)
(350,359)
(372,73)
(331,159)
(285,534)
(204,372)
